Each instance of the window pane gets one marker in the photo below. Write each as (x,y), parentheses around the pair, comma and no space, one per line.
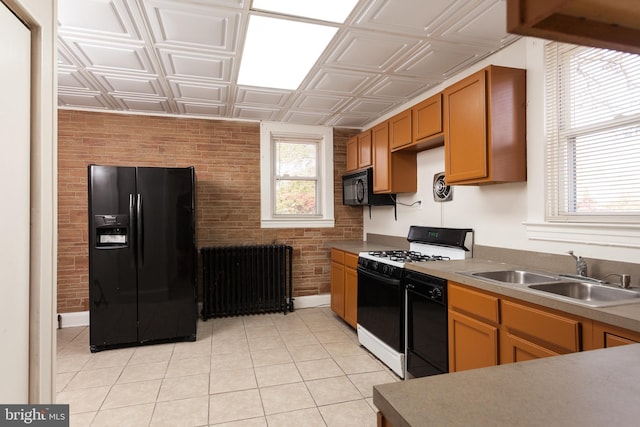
(296,197)
(296,159)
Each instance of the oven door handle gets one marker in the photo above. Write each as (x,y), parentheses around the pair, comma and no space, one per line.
(386,280)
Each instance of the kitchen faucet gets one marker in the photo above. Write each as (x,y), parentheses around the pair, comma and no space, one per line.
(581,264)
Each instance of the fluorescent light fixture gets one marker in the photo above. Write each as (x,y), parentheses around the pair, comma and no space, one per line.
(325,10)
(279,53)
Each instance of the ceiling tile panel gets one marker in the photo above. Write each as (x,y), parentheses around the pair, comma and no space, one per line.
(340,81)
(351,120)
(110,56)
(188,65)
(254,113)
(318,102)
(199,91)
(436,60)
(197,27)
(369,106)
(71,78)
(197,109)
(261,96)
(143,105)
(305,118)
(398,87)
(369,51)
(91,100)
(110,18)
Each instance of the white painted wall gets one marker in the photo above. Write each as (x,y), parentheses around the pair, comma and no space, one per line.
(498,213)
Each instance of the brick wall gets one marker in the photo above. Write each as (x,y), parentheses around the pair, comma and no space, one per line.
(226,156)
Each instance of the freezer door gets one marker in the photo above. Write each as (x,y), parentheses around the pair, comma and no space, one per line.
(112,270)
(166,254)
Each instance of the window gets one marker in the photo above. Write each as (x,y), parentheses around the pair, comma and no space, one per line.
(593,135)
(296,176)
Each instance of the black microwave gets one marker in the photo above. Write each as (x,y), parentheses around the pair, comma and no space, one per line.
(357,190)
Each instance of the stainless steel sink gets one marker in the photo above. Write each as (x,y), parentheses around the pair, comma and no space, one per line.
(589,293)
(515,276)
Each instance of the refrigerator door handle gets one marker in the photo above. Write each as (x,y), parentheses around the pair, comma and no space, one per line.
(139,230)
(132,216)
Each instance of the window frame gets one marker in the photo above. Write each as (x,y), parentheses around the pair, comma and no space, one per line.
(271,131)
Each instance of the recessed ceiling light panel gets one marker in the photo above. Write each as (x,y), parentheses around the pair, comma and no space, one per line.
(279,53)
(324,10)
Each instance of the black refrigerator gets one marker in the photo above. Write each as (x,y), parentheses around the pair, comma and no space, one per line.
(142,256)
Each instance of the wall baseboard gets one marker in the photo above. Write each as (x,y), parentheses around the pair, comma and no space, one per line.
(81,318)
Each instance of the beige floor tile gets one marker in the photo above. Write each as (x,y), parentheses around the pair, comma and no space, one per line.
(130,416)
(359,364)
(262,330)
(341,349)
(184,387)
(143,372)
(234,406)
(190,350)
(265,342)
(71,363)
(271,357)
(308,352)
(186,367)
(185,412)
(277,374)
(251,422)
(86,400)
(81,420)
(286,398)
(317,369)
(305,417)
(109,359)
(229,361)
(132,394)
(151,354)
(331,336)
(299,339)
(62,380)
(365,381)
(333,390)
(352,414)
(94,378)
(232,380)
(323,325)
(227,346)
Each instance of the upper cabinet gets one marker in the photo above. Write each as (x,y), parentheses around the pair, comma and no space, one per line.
(400,130)
(599,23)
(392,172)
(427,123)
(359,151)
(485,127)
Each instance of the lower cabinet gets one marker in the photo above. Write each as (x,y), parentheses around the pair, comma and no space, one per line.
(344,285)
(605,336)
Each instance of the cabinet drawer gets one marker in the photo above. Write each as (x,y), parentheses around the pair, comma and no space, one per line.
(480,305)
(535,324)
(337,256)
(350,260)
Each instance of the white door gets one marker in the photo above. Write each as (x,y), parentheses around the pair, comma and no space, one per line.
(15,72)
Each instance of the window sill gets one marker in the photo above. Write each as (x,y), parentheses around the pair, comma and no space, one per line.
(612,235)
(297,223)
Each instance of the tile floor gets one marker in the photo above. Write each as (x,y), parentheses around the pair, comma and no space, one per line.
(301,369)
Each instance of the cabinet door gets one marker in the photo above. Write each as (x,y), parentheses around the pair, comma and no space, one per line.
(351,296)
(337,288)
(472,344)
(381,164)
(352,154)
(605,336)
(364,149)
(400,130)
(427,118)
(465,113)
(516,349)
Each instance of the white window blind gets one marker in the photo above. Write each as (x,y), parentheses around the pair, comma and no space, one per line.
(593,134)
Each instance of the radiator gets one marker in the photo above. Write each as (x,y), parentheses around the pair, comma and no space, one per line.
(241,280)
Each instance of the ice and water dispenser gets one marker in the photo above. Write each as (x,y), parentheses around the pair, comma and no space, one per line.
(112,231)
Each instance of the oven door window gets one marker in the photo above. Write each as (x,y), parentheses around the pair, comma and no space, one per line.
(381,308)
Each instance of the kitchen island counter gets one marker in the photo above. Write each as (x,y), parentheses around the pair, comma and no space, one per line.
(591,388)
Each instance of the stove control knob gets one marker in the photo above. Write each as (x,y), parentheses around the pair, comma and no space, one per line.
(388,269)
(374,265)
(436,293)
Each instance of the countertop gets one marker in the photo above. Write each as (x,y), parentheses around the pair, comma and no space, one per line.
(356,246)
(591,388)
(625,316)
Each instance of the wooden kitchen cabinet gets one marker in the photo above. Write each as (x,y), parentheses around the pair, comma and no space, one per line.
(392,172)
(344,285)
(485,127)
(426,119)
(533,332)
(400,130)
(473,329)
(599,23)
(605,336)
(359,151)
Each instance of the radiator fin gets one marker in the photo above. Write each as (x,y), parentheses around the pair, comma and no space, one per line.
(240,280)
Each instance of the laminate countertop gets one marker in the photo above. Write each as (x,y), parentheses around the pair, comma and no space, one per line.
(591,388)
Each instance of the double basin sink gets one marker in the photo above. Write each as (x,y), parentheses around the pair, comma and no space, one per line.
(583,290)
